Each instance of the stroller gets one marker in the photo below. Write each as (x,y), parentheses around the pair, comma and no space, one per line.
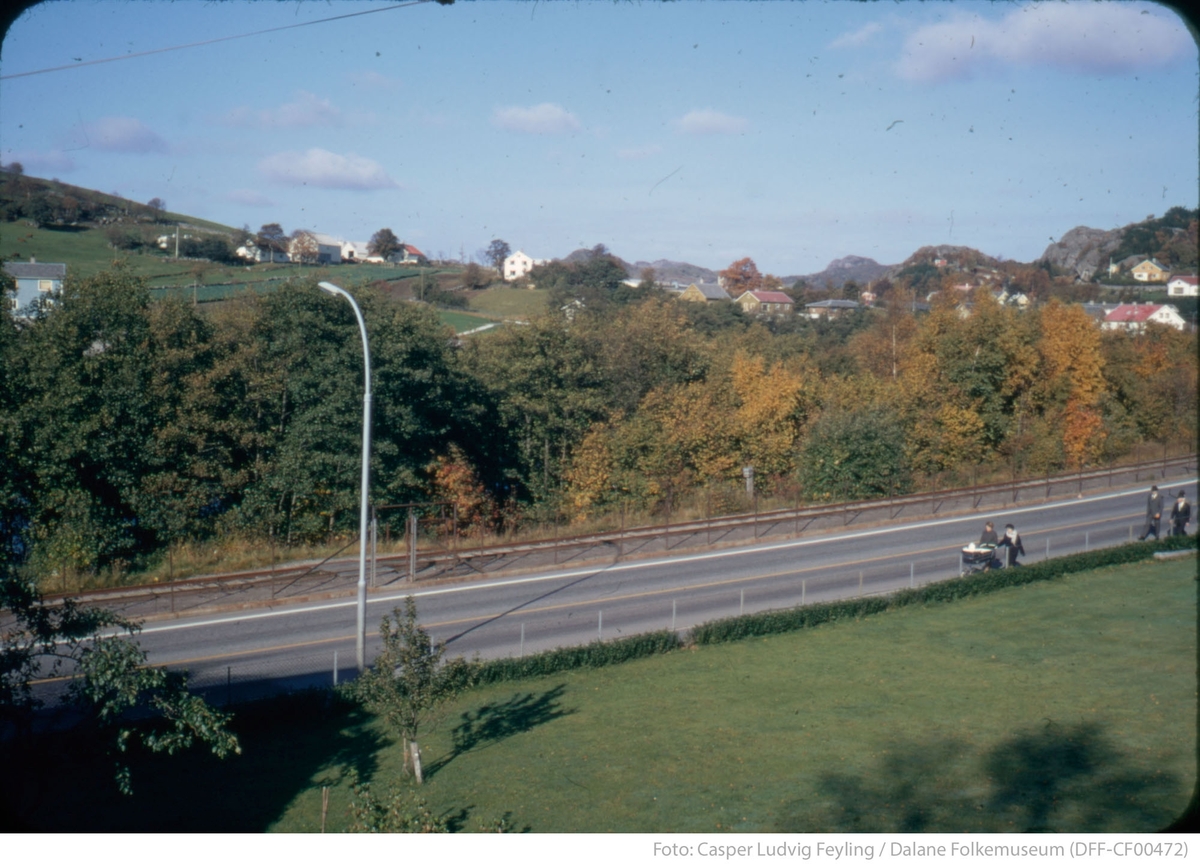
(978,558)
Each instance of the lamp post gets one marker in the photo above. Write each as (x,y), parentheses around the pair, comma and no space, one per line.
(360,637)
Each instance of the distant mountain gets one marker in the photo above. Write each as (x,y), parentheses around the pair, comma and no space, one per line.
(668,272)
(860,269)
(665,271)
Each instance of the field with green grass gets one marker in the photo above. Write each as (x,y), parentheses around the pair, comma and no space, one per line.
(1065,706)
(507,302)
(461,322)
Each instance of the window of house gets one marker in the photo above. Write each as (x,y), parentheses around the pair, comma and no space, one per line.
(45,285)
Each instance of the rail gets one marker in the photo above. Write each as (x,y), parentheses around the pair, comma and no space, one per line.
(330,578)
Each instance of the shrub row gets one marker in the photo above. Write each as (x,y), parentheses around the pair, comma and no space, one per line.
(598,654)
(594,655)
(788,620)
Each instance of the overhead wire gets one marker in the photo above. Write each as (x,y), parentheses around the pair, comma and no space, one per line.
(211,41)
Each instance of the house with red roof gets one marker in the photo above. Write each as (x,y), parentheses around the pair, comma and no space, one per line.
(761,302)
(1135,317)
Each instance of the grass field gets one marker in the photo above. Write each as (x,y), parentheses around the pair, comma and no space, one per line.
(505,302)
(461,322)
(1064,706)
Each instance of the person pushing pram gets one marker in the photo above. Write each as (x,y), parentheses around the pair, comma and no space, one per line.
(992,551)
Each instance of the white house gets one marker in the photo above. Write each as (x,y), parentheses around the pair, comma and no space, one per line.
(1182,286)
(36,281)
(354,251)
(254,253)
(1134,317)
(519,264)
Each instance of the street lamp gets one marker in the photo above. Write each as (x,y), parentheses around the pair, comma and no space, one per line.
(360,638)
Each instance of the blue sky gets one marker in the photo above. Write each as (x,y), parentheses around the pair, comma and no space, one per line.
(790,132)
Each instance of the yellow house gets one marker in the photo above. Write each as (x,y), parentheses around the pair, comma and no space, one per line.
(702,292)
(760,302)
(1149,271)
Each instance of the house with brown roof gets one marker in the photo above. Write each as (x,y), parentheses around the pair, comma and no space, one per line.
(1149,271)
(761,302)
(1135,317)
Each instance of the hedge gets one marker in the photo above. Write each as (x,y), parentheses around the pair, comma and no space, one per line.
(602,653)
(977,584)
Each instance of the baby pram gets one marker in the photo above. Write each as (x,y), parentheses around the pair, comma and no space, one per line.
(978,558)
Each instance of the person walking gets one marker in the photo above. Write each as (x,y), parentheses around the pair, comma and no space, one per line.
(1154,509)
(989,536)
(1012,542)
(1181,515)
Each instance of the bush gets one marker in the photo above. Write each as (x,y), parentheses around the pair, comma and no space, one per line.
(595,655)
(978,584)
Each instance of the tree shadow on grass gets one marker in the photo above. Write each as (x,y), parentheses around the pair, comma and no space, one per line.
(67,784)
(1051,779)
(492,723)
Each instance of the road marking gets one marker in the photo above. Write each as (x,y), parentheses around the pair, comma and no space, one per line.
(646,564)
(483,618)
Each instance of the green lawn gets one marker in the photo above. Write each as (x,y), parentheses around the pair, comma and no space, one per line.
(506,302)
(461,322)
(1065,706)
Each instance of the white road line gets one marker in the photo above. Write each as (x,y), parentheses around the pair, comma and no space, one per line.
(649,564)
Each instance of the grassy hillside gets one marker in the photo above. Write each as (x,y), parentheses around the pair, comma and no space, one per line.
(507,302)
(1063,706)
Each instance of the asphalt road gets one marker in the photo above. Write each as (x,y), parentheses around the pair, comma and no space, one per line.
(238,656)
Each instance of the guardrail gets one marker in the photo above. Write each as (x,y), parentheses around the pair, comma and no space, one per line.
(331,577)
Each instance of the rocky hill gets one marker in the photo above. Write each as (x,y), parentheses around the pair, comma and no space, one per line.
(860,269)
(667,272)
(1083,251)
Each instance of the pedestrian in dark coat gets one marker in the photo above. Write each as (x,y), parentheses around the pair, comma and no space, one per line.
(1181,515)
(1011,541)
(989,537)
(1154,509)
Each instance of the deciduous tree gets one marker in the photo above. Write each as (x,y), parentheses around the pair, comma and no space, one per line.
(384,243)
(741,276)
(110,678)
(304,247)
(407,684)
(497,252)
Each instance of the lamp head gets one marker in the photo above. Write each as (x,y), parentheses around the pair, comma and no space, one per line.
(330,288)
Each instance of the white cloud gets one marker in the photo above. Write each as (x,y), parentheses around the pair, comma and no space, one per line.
(320,168)
(639,153)
(543,119)
(306,110)
(1089,38)
(123,135)
(250,198)
(706,121)
(39,162)
(857,37)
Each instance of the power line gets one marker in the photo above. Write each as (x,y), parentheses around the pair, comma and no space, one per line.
(212,41)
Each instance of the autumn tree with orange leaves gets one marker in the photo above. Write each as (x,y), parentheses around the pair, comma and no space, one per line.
(1073,378)
(741,276)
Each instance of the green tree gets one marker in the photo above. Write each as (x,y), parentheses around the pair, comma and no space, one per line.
(855,455)
(384,243)
(109,678)
(496,253)
(407,684)
(86,421)
(272,237)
